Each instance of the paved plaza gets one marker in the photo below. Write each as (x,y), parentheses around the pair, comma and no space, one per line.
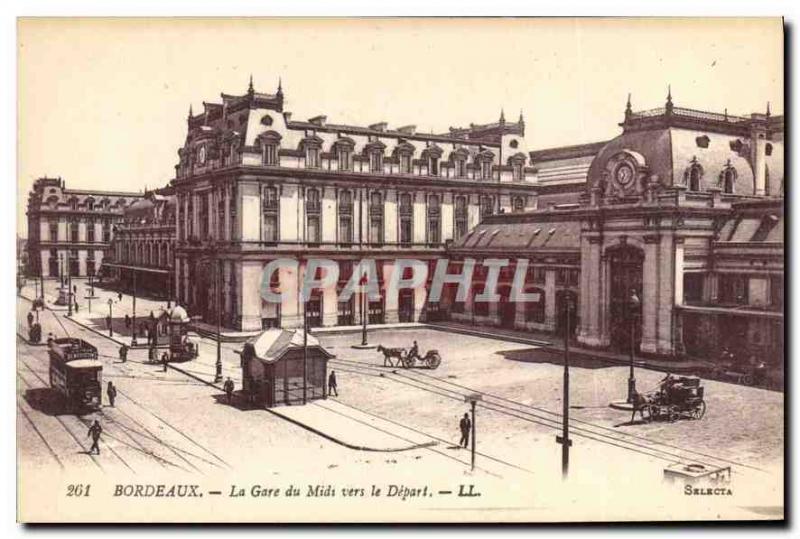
(387,420)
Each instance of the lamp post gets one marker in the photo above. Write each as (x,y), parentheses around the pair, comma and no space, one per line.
(633,306)
(564,440)
(218,366)
(133,271)
(110,318)
(364,311)
(472,399)
(69,286)
(305,350)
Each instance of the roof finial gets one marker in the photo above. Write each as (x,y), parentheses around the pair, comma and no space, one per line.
(502,116)
(768,112)
(280,86)
(628,109)
(250,86)
(726,114)
(190,110)
(521,119)
(669,99)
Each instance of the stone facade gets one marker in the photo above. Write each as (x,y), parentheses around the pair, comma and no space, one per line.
(70,230)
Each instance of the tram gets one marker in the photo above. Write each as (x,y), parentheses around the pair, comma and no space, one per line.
(76,373)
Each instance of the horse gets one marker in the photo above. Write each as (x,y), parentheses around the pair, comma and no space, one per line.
(389,353)
(640,404)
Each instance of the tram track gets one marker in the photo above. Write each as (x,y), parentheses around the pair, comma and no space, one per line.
(147,410)
(41,436)
(533,414)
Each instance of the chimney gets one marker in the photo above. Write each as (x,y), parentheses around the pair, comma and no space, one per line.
(408,129)
(318,120)
(758,145)
(287,116)
(380,126)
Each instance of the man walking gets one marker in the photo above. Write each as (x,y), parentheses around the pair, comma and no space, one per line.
(164,358)
(332,390)
(119,296)
(127,322)
(465,425)
(112,393)
(94,431)
(30,318)
(123,352)
(228,386)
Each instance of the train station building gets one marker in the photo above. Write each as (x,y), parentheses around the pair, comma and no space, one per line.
(676,237)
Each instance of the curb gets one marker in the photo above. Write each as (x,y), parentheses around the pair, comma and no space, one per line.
(103,334)
(305,426)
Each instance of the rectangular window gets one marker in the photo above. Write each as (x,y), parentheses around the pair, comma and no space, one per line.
(106,231)
(203,225)
(434,230)
(733,289)
(461,168)
(54,231)
(376,229)
(693,287)
(405,164)
(433,168)
(376,162)
(517,172)
(73,231)
(312,157)
(406,231)
(776,291)
(486,170)
(90,231)
(271,154)
(345,163)
(313,229)
(346,229)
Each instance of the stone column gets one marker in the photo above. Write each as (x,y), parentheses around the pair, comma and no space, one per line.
(669,272)
(650,295)
(604,295)
(291,315)
(250,301)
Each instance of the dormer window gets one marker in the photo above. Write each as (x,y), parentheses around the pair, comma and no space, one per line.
(405,163)
(484,162)
(433,166)
(312,157)
(344,156)
(461,168)
(695,173)
(271,154)
(376,162)
(486,170)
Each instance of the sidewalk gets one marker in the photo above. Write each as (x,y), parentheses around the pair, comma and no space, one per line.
(555,343)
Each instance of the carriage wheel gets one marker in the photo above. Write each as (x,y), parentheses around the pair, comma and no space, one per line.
(434,360)
(700,410)
(654,412)
(747,380)
(407,361)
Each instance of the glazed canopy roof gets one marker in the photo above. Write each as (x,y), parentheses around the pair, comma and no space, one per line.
(531,234)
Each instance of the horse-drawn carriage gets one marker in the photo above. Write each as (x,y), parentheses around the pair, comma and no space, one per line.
(400,357)
(677,398)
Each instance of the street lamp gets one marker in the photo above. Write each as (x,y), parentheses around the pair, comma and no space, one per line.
(564,440)
(633,305)
(69,285)
(218,366)
(472,399)
(110,318)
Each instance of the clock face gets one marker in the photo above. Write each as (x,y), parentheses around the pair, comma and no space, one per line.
(624,175)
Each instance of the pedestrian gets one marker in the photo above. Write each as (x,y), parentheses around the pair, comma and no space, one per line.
(164,359)
(127,321)
(123,353)
(119,296)
(94,431)
(49,339)
(465,425)
(112,393)
(228,386)
(332,384)
(76,306)
(30,318)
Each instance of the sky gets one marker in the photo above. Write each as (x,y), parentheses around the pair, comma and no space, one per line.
(103,102)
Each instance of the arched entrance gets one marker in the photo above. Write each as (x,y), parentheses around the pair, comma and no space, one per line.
(625,273)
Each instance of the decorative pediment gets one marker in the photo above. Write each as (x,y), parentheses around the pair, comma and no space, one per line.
(403,148)
(459,154)
(517,158)
(432,151)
